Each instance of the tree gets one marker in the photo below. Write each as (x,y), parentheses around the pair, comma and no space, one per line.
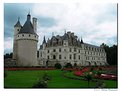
(88,77)
(8,55)
(58,66)
(111,53)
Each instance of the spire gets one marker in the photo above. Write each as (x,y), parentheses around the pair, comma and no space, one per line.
(52,33)
(18,24)
(65,31)
(29,16)
(44,40)
(82,40)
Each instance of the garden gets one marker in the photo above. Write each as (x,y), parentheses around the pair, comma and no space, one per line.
(84,77)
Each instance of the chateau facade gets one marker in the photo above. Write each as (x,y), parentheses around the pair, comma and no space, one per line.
(59,49)
(69,49)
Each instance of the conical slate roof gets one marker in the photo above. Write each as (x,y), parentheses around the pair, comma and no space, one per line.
(27,27)
(18,24)
(44,40)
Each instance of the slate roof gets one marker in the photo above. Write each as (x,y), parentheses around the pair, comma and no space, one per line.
(18,24)
(27,27)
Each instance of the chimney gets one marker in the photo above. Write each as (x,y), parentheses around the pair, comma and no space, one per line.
(35,24)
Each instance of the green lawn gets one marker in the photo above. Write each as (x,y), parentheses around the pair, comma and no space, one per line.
(26,79)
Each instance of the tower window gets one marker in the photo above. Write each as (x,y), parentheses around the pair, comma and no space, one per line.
(18,30)
(29,35)
(22,35)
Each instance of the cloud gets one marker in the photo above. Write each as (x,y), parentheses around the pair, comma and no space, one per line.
(8,44)
(95,23)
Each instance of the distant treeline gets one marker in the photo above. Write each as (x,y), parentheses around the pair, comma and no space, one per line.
(111,54)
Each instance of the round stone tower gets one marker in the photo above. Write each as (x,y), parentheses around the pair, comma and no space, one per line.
(26,42)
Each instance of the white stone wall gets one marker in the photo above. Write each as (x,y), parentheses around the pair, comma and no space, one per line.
(27,50)
(86,55)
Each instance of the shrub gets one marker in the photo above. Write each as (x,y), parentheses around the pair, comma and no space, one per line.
(75,64)
(68,65)
(40,84)
(91,69)
(58,66)
(46,77)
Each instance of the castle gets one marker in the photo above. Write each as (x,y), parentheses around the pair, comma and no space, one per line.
(59,49)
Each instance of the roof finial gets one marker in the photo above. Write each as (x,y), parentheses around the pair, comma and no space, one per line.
(44,40)
(18,18)
(65,30)
(52,33)
(29,12)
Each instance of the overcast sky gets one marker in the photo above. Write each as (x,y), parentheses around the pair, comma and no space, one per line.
(95,23)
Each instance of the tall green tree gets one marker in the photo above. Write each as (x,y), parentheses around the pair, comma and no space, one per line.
(111,54)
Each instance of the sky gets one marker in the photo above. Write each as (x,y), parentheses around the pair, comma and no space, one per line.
(94,23)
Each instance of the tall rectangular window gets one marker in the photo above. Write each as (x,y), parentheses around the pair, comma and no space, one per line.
(48,57)
(74,49)
(70,56)
(74,56)
(59,56)
(70,49)
(47,51)
(79,57)
(79,50)
(59,49)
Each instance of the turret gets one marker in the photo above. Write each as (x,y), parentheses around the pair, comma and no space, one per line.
(44,43)
(17,27)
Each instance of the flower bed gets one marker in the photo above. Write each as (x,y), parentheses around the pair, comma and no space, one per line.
(102,76)
(78,73)
(29,68)
(107,77)
(81,72)
(70,69)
